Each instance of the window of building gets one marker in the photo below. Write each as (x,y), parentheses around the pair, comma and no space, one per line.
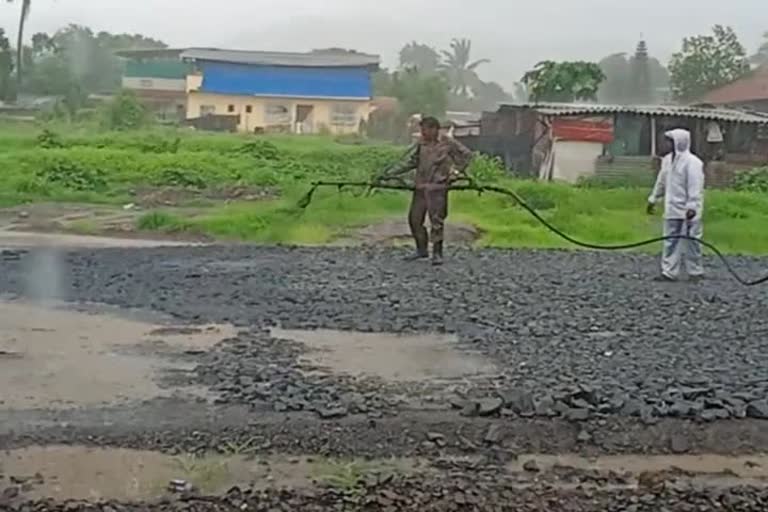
(207,110)
(230,108)
(146,83)
(249,109)
(344,114)
(277,114)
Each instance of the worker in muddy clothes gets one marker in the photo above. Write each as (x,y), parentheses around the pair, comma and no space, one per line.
(437,160)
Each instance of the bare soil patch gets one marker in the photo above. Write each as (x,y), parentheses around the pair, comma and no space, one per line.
(74,472)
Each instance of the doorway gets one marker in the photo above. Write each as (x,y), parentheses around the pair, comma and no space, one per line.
(304,118)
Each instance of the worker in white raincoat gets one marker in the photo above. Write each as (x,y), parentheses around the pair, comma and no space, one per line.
(681,183)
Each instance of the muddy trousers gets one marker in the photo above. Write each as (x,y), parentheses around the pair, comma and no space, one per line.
(682,253)
(428,202)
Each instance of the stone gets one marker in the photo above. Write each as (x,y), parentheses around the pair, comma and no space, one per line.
(333,413)
(519,401)
(758,410)
(577,414)
(493,435)
(436,438)
(584,437)
(489,407)
(531,466)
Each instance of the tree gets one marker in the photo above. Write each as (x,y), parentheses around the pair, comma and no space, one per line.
(761,57)
(640,88)
(42,44)
(419,56)
(564,81)
(420,93)
(615,67)
(75,61)
(460,70)
(707,62)
(26,5)
(486,96)
(6,67)
(625,78)
(125,112)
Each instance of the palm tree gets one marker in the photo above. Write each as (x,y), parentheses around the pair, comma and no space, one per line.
(25,7)
(458,66)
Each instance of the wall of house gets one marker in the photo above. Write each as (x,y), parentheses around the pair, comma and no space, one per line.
(259,113)
(150,83)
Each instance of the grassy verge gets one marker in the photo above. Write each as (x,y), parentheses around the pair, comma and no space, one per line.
(77,164)
(733,220)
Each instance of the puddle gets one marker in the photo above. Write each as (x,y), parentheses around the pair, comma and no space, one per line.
(82,473)
(392,357)
(59,358)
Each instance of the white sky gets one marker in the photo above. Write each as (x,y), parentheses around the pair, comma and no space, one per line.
(514,34)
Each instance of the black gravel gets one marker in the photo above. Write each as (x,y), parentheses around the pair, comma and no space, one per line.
(467,493)
(574,334)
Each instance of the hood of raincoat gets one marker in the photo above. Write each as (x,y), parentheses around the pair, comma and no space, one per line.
(681,139)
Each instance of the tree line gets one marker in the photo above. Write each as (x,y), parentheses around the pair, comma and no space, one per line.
(76,61)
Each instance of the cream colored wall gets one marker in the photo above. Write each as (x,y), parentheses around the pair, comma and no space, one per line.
(321,115)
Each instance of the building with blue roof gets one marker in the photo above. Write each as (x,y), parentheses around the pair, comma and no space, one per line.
(324,91)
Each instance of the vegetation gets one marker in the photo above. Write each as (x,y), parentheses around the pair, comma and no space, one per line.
(459,67)
(707,62)
(26,5)
(634,80)
(80,164)
(6,67)
(429,81)
(761,57)
(70,63)
(564,81)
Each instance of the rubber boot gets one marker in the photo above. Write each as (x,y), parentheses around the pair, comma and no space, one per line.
(437,254)
(420,254)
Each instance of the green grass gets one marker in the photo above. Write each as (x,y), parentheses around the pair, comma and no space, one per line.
(106,168)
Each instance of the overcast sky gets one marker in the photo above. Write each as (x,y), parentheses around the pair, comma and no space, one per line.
(514,34)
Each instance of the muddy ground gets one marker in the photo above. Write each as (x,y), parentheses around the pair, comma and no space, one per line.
(223,378)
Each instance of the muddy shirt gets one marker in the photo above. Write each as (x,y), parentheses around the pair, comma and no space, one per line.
(433,161)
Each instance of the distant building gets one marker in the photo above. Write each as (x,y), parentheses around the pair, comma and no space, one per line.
(620,143)
(159,79)
(326,91)
(750,92)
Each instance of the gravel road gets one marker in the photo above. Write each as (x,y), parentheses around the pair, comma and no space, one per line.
(353,352)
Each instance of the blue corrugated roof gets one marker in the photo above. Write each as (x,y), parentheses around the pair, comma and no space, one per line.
(286,81)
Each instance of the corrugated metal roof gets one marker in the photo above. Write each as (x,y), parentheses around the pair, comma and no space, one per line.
(700,112)
(317,59)
(340,83)
(752,87)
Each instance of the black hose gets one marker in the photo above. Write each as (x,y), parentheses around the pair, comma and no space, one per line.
(510,193)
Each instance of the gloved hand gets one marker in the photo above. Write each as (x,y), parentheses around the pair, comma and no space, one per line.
(650,209)
(690,214)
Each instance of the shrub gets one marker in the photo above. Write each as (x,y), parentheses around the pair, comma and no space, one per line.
(754,180)
(261,149)
(180,178)
(125,112)
(49,140)
(153,144)
(159,221)
(486,170)
(73,176)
